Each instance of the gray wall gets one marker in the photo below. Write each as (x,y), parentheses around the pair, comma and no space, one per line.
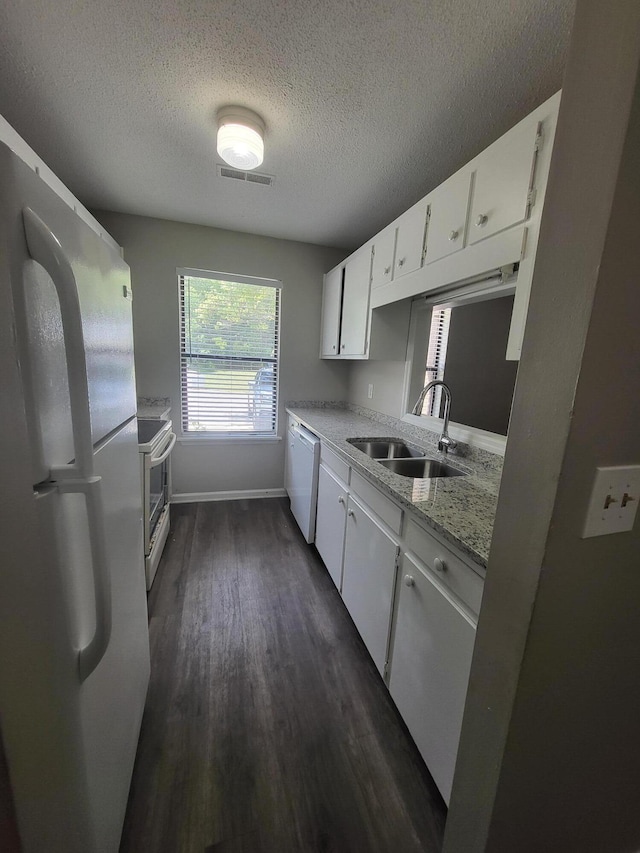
(154,248)
(549,756)
(476,370)
(387,378)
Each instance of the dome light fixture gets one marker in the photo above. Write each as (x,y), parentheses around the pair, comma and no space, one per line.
(240,137)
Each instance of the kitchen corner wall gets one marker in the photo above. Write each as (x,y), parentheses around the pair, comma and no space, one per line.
(154,249)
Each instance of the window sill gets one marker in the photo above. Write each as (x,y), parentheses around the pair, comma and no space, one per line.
(208,438)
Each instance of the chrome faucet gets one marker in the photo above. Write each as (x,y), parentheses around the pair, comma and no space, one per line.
(445,442)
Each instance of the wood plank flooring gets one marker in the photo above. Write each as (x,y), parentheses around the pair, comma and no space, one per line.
(267,728)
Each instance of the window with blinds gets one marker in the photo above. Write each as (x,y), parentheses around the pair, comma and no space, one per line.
(229,341)
(436,356)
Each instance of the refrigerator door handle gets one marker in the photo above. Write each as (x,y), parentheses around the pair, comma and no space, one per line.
(90,656)
(44,247)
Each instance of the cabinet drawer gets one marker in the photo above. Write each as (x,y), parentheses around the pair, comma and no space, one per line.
(384,508)
(335,463)
(454,573)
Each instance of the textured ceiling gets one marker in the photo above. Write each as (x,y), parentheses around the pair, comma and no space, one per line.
(368,104)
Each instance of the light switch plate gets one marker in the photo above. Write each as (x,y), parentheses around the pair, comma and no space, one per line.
(614,500)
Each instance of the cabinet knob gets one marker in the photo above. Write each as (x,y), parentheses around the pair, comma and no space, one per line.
(387,270)
(482,219)
(439,565)
(342,347)
(341,499)
(350,513)
(333,347)
(401,262)
(453,236)
(409,581)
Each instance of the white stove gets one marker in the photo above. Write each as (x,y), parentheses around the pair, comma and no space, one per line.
(156,440)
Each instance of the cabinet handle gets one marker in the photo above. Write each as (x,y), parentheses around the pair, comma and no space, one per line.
(350,513)
(409,581)
(482,219)
(333,347)
(387,270)
(401,262)
(341,499)
(439,565)
(453,236)
(342,347)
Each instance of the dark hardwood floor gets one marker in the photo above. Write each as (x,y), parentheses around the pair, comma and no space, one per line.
(267,728)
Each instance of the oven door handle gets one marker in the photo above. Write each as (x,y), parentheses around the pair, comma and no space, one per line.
(158,460)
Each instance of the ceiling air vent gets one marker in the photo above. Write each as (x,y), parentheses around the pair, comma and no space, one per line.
(247,177)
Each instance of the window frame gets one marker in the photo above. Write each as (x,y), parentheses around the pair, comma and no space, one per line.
(421,313)
(229,436)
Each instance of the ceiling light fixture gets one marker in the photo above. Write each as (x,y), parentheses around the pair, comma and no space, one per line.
(240,137)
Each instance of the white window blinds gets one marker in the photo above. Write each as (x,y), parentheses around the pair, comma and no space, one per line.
(436,356)
(229,340)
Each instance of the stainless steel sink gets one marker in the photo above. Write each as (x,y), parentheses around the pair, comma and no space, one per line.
(421,468)
(386,448)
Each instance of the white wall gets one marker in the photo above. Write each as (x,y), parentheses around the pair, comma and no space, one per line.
(154,248)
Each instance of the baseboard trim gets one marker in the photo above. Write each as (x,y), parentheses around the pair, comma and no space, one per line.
(247,494)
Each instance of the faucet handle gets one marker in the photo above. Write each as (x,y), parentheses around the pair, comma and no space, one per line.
(446,443)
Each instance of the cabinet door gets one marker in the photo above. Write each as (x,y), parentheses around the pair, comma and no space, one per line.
(449,207)
(331,309)
(430,664)
(382,266)
(368,579)
(503,180)
(330,520)
(410,239)
(355,303)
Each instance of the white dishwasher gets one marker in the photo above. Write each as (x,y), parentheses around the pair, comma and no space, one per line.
(303,459)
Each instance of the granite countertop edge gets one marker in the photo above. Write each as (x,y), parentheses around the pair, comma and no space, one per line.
(460,509)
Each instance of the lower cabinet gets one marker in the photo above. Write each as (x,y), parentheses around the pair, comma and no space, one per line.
(370,561)
(330,522)
(431,659)
(418,623)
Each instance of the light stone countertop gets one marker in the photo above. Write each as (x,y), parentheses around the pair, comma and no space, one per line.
(154,407)
(461,509)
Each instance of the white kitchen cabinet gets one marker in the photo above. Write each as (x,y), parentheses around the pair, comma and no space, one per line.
(429,669)
(503,182)
(331,312)
(368,579)
(330,522)
(411,228)
(448,214)
(355,303)
(383,251)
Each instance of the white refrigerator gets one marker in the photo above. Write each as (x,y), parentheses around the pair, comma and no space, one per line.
(74,647)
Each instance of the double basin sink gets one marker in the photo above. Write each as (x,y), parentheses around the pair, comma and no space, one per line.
(404,459)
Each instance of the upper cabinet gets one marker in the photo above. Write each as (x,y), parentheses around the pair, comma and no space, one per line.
(411,228)
(449,209)
(331,311)
(504,182)
(384,246)
(349,328)
(483,222)
(355,303)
